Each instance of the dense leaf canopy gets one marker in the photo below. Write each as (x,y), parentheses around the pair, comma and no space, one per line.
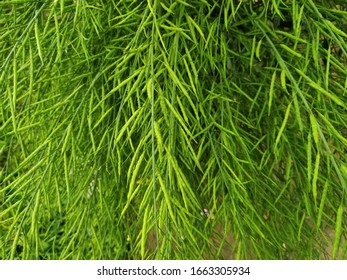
(173,129)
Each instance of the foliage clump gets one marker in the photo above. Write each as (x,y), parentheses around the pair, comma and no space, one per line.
(173,129)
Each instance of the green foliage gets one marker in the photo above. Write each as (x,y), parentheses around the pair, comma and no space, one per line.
(173,129)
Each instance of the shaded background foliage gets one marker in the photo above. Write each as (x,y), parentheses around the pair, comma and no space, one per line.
(122,120)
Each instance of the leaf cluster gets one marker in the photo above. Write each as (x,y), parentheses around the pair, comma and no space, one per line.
(173,129)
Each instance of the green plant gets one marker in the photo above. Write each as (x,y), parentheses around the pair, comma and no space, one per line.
(173,129)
